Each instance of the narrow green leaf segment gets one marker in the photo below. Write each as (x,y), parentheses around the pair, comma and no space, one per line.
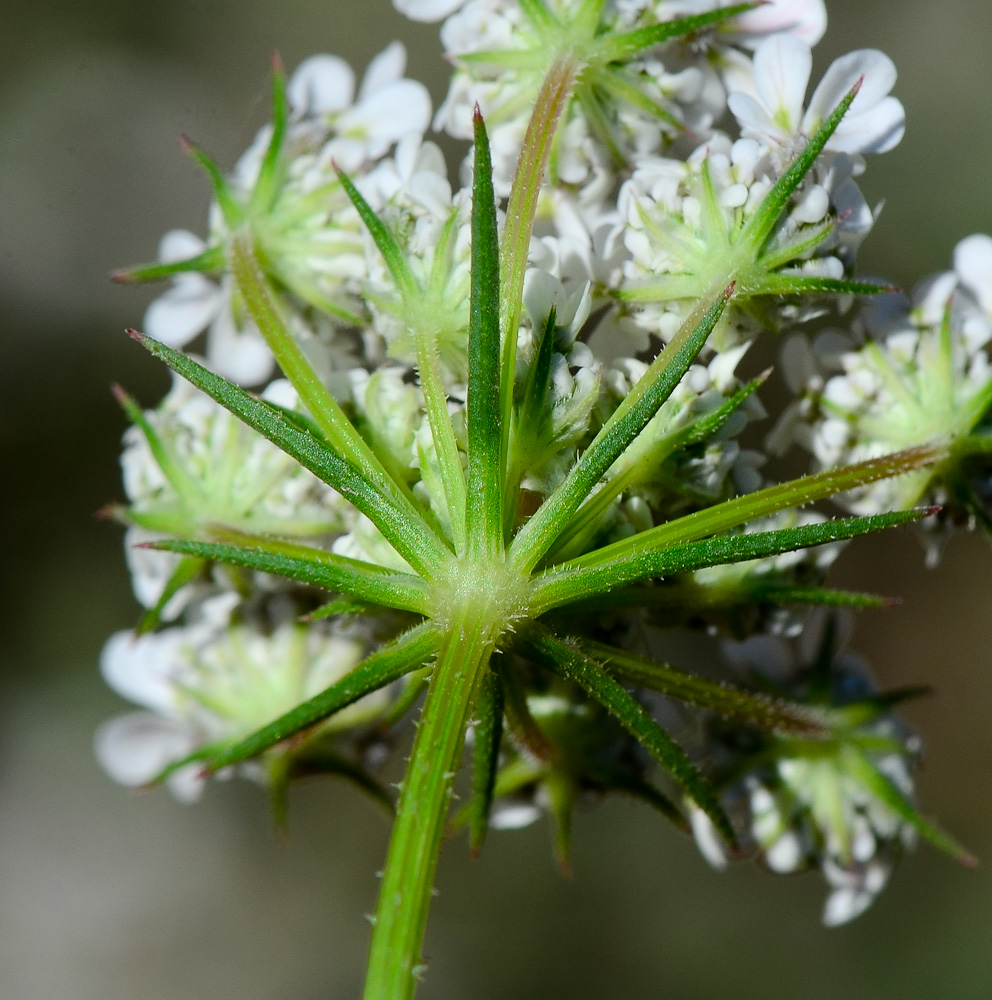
(521,210)
(619,46)
(565,585)
(484,514)
(317,567)
(488,734)
(644,401)
(404,654)
(862,770)
(322,405)
(574,665)
(762,503)
(772,714)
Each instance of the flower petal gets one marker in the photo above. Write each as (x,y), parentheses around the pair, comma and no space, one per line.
(238,354)
(387,67)
(782,66)
(179,244)
(321,85)
(388,114)
(973,264)
(879,74)
(182,311)
(427,10)
(804,19)
(752,117)
(513,815)
(843,905)
(151,570)
(139,667)
(875,131)
(708,840)
(134,748)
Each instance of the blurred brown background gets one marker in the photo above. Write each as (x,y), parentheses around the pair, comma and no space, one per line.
(109,895)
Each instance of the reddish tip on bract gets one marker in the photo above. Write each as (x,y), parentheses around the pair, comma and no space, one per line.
(119,393)
(121,276)
(186,143)
(135,334)
(857,87)
(728,292)
(477,114)
(275,63)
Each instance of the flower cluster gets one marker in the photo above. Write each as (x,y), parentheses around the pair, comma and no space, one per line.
(514,440)
(285,189)
(910,370)
(836,804)
(223,674)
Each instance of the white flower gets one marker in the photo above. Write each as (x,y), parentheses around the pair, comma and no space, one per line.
(973,267)
(427,10)
(208,469)
(683,219)
(803,19)
(923,374)
(806,19)
(808,805)
(629,103)
(235,348)
(432,229)
(309,236)
(212,681)
(359,128)
(772,108)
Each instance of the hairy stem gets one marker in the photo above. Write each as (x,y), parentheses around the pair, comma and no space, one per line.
(405,895)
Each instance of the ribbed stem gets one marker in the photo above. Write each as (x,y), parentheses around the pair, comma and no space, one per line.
(405,895)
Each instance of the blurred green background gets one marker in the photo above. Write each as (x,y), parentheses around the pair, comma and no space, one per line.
(106,894)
